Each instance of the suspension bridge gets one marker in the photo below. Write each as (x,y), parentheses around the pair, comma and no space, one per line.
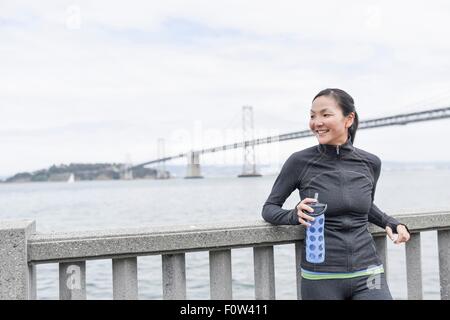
(249,142)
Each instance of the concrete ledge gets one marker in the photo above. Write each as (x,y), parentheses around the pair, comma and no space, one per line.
(420,221)
(121,243)
(148,241)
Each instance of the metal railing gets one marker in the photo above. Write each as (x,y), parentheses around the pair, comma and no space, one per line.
(21,249)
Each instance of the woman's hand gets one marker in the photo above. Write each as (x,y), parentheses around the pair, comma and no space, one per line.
(302,206)
(403,234)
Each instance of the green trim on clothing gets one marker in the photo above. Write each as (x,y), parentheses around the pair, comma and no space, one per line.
(310,275)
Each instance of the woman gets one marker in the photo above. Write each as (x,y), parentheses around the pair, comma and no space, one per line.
(345,179)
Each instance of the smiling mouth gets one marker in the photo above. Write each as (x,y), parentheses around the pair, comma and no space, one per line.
(320,132)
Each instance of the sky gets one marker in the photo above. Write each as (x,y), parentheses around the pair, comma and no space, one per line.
(95,81)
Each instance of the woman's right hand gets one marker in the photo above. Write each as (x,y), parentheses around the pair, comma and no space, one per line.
(303,218)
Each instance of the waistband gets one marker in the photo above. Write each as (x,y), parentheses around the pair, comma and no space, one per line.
(314,275)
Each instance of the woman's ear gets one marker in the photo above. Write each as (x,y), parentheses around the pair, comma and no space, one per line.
(349,120)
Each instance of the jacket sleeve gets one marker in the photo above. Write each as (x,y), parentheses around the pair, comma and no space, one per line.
(376,216)
(285,183)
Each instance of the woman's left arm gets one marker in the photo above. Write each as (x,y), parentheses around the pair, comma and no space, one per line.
(381,219)
(390,224)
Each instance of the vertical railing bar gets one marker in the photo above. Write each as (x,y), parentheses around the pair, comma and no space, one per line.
(444,263)
(264,269)
(220,275)
(298,269)
(32,281)
(381,247)
(72,280)
(125,285)
(174,276)
(414,267)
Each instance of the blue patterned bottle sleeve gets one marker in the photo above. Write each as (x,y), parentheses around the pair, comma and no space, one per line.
(315,239)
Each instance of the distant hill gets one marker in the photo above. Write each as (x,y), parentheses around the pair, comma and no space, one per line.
(82,171)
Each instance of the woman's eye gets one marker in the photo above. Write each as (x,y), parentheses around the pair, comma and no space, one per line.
(312,117)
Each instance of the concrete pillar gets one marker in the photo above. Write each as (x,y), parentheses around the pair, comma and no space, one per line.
(264,273)
(220,275)
(174,276)
(193,167)
(381,246)
(414,267)
(32,282)
(125,284)
(16,277)
(72,280)
(298,267)
(444,263)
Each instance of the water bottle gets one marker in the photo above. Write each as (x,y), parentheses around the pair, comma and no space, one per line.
(315,239)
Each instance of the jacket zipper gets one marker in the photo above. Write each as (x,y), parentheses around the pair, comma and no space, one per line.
(347,245)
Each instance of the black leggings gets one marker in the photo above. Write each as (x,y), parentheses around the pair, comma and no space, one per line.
(373,287)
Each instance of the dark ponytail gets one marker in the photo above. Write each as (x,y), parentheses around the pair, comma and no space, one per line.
(345,101)
(353,128)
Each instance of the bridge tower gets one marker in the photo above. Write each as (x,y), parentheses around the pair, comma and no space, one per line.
(161,172)
(126,173)
(249,167)
(193,168)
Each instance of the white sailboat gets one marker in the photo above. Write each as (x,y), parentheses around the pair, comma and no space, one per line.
(71,178)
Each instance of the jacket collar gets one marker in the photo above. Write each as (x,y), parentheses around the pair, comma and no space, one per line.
(336,151)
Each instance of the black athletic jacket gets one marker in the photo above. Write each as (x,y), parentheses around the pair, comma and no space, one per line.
(345,178)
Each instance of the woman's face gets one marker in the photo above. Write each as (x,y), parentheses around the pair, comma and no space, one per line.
(327,121)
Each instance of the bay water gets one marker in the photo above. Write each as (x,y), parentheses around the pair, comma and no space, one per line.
(96,205)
